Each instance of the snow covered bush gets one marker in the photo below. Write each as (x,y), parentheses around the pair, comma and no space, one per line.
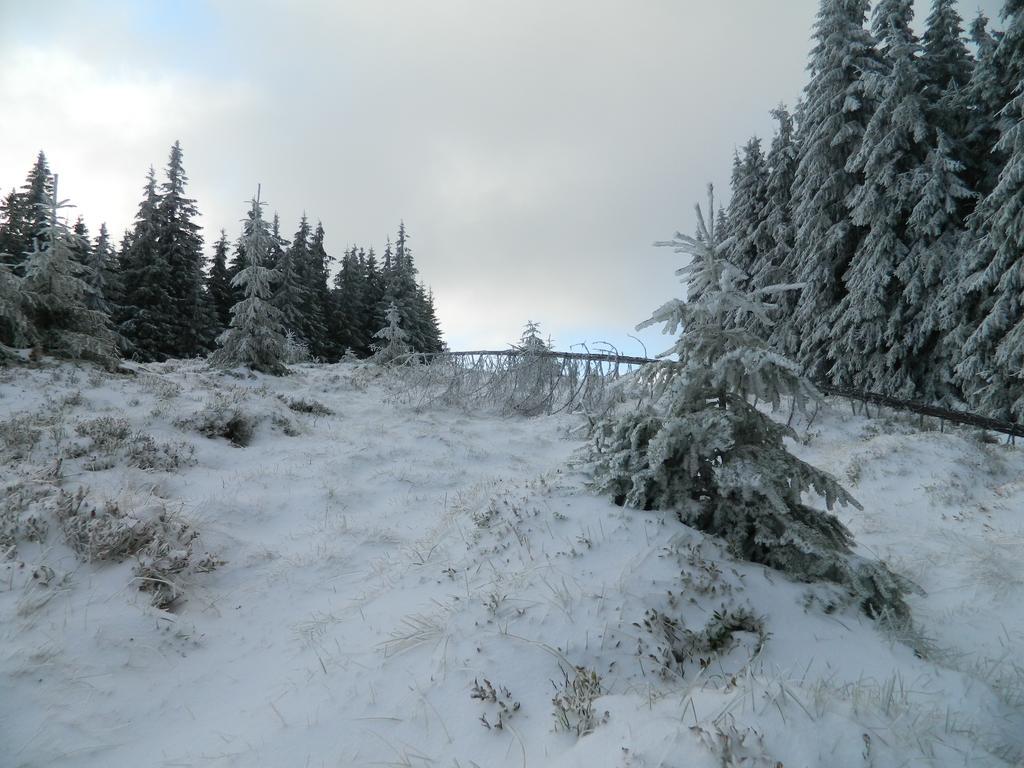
(160,540)
(703,449)
(221,418)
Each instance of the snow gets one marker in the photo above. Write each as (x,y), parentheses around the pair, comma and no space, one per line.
(385,558)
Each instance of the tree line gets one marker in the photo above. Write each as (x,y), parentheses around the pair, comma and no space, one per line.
(156,296)
(894,198)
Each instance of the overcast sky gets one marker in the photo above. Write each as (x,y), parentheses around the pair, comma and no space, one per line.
(534,148)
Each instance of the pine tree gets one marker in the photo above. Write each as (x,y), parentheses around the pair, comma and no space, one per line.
(218,284)
(707,453)
(256,335)
(56,294)
(895,143)
(834,113)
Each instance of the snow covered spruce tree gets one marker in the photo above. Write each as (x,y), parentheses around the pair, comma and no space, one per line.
(864,351)
(56,296)
(832,118)
(255,337)
(393,346)
(703,450)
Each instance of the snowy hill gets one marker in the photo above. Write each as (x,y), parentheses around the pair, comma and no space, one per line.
(380,583)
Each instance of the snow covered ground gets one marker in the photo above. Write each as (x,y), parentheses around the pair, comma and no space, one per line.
(421,586)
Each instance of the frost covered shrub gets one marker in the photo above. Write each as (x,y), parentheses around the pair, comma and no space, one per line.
(574,702)
(18,436)
(222,418)
(703,450)
(312,407)
(675,645)
(111,438)
(17,522)
(162,543)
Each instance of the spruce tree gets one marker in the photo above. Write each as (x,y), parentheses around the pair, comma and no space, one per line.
(101,278)
(256,336)
(392,346)
(218,284)
(11,226)
(25,215)
(775,266)
(832,118)
(747,208)
(705,452)
(146,318)
(290,291)
(56,293)
(993,355)
(945,63)
(16,329)
(180,247)
(929,277)
(311,276)
(321,345)
(862,351)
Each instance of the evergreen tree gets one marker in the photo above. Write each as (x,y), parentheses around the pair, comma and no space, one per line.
(834,113)
(25,215)
(946,63)
(290,295)
(747,208)
(862,352)
(993,355)
(180,248)
(320,296)
(218,285)
(10,228)
(56,294)
(373,295)
(311,278)
(101,279)
(929,276)
(393,345)
(775,266)
(146,317)
(704,451)
(350,305)
(256,335)
(15,327)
